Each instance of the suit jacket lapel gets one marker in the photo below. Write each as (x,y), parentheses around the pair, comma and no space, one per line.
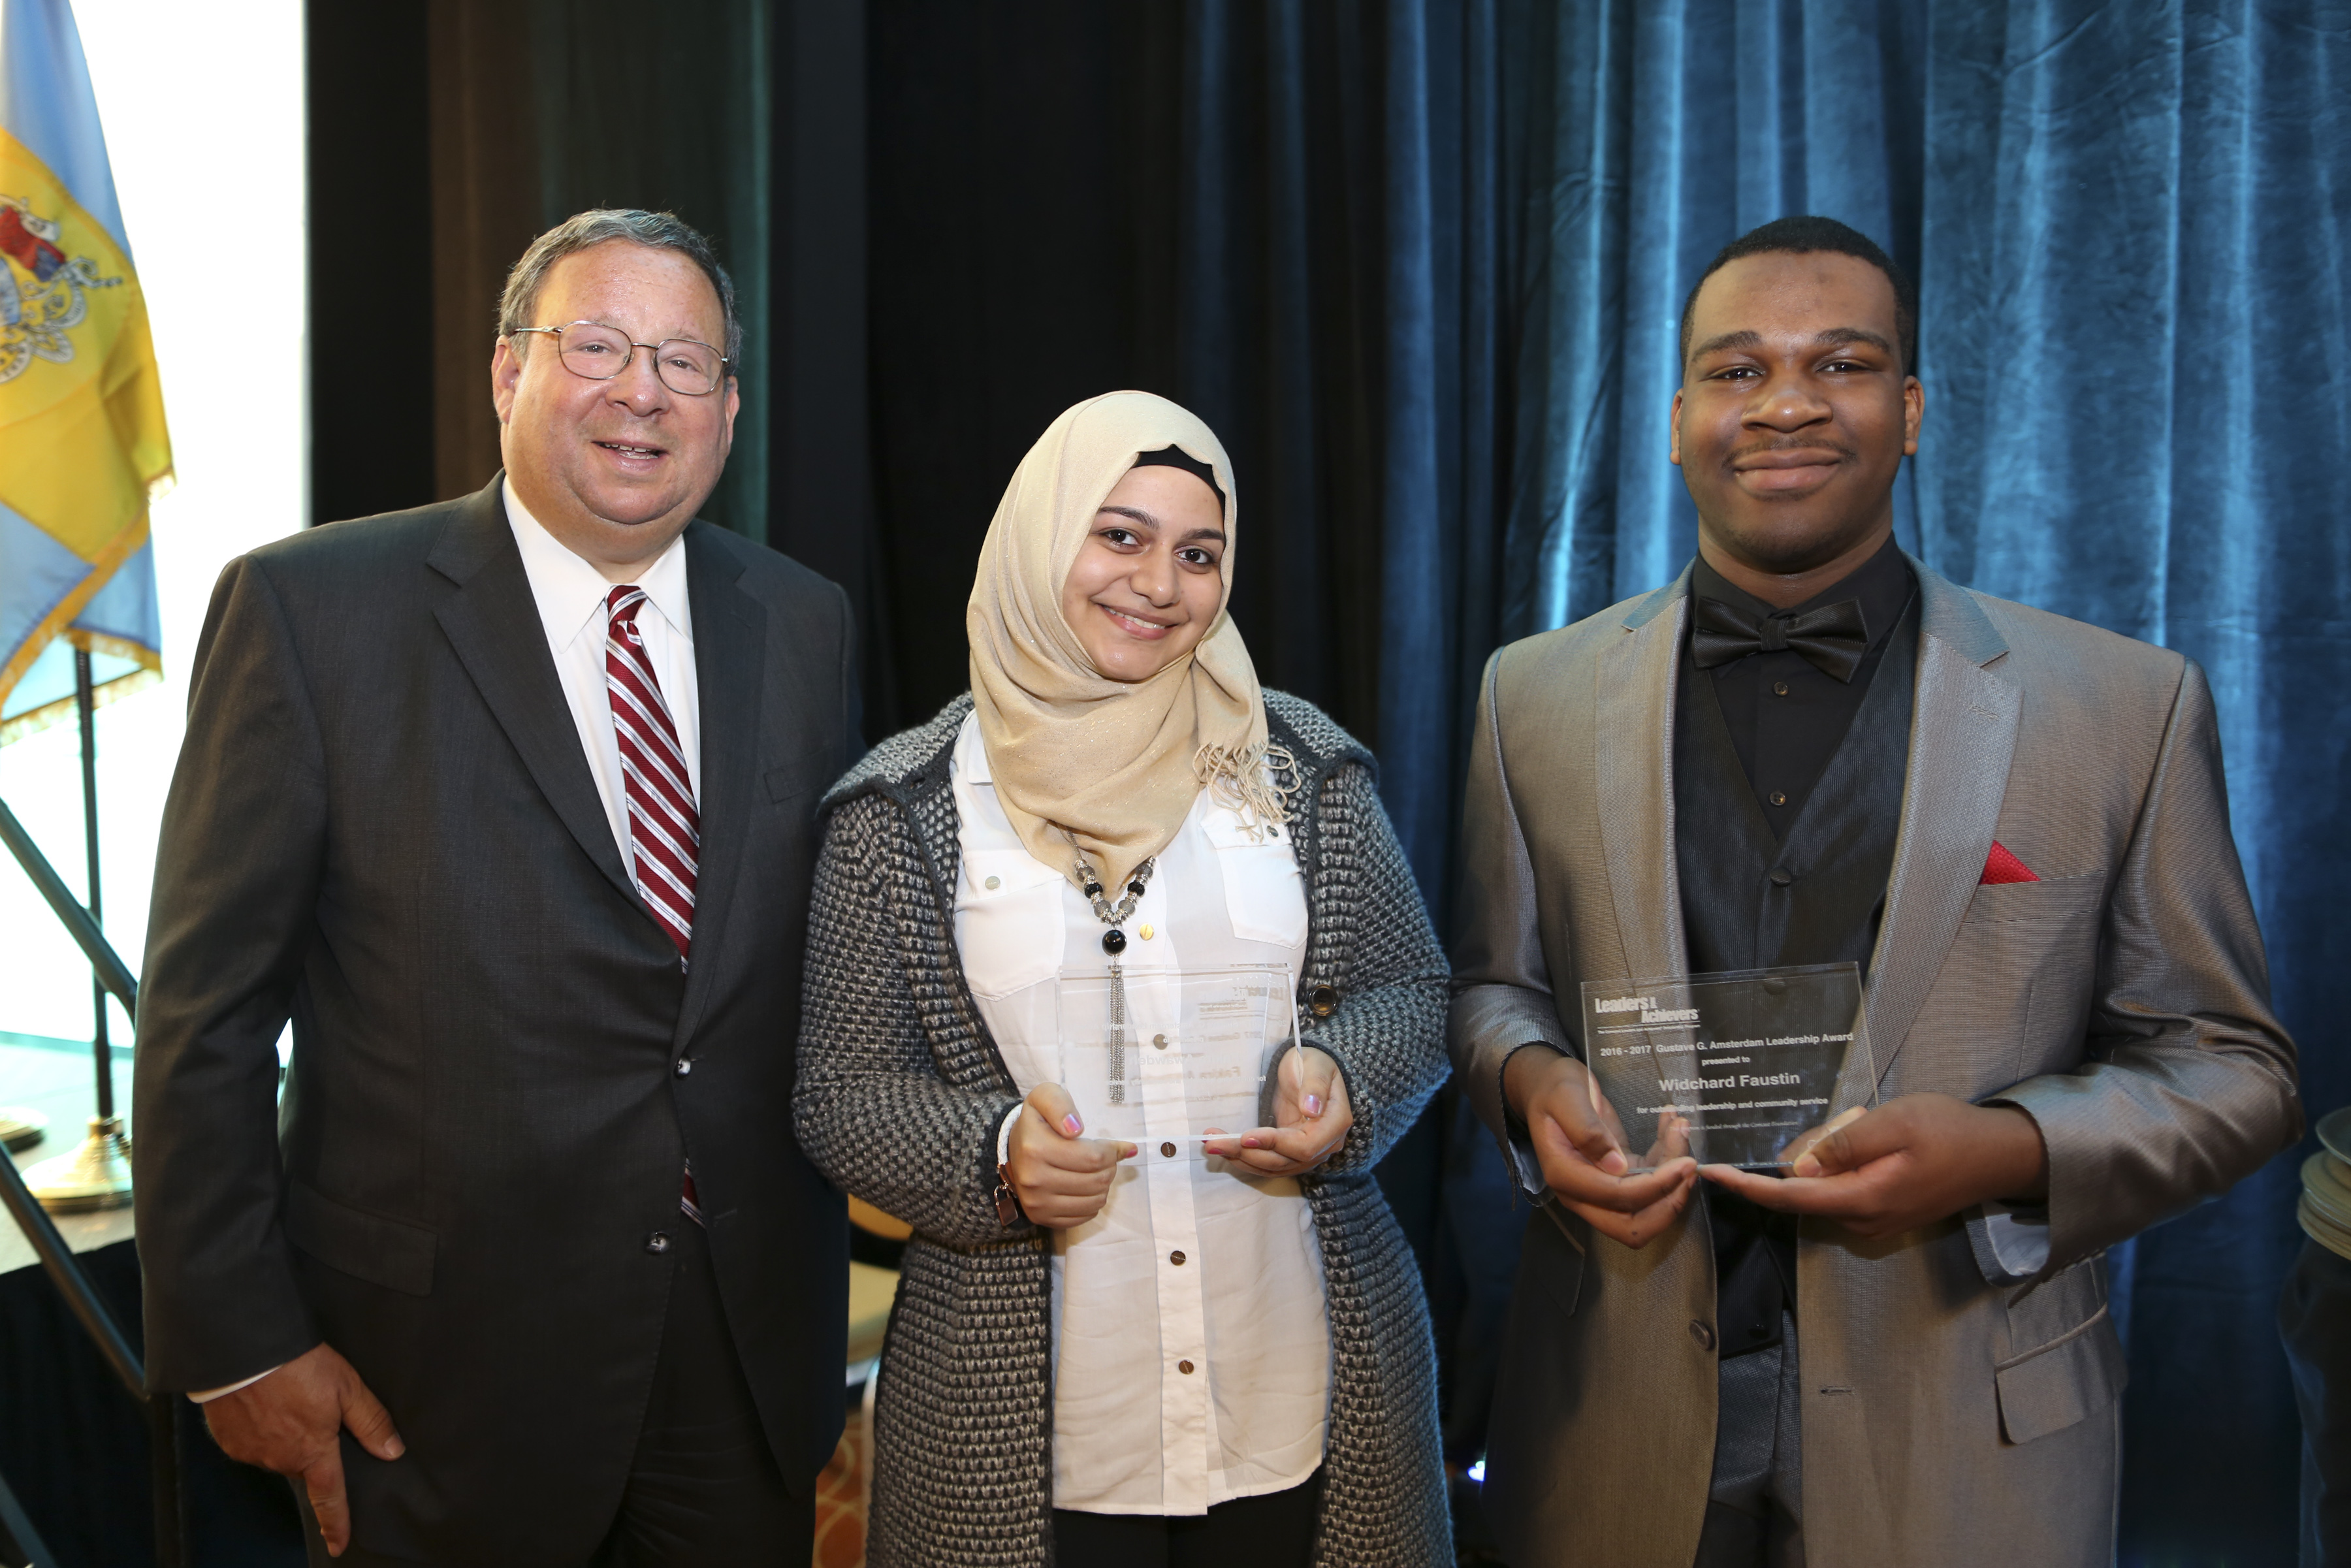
(730,659)
(492,623)
(1634,707)
(1962,738)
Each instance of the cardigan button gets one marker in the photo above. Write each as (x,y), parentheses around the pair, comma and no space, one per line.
(1176,1259)
(1184,1368)
(1167,1150)
(1322,1001)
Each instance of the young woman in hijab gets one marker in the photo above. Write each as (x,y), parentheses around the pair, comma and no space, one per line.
(1107,1354)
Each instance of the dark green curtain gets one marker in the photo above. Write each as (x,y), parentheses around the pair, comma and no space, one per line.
(599,71)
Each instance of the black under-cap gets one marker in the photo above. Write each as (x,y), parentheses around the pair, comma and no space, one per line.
(1176,457)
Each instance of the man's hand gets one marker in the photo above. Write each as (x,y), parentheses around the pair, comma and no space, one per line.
(291,1422)
(1061,1178)
(1911,1161)
(1581,1150)
(1310,1114)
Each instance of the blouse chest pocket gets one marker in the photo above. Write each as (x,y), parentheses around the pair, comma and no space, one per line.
(1008,920)
(1265,896)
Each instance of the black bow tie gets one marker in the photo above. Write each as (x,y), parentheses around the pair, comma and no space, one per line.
(1832,638)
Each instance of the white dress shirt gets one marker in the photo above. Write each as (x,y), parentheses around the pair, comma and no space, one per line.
(1133,1432)
(572,596)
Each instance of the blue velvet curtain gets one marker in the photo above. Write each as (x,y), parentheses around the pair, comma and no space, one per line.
(2129,224)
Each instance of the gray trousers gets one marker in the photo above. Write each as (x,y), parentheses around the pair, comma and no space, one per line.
(1755,1502)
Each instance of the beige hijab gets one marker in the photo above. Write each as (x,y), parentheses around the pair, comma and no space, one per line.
(1083,763)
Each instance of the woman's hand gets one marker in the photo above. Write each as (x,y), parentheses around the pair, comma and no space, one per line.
(1060,1177)
(1312,1119)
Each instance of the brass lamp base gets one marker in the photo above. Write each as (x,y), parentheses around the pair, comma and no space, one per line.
(21,1128)
(94,1176)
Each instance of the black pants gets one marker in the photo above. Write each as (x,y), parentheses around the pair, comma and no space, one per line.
(703,1487)
(1272,1531)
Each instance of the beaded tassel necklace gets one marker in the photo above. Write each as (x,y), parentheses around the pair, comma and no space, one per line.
(1114,943)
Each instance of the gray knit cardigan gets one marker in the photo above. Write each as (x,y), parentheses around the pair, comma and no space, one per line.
(901,1091)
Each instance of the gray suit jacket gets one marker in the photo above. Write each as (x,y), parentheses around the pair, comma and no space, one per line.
(1950,1416)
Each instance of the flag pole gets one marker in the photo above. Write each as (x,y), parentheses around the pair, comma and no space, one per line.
(85,701)
(97,1174)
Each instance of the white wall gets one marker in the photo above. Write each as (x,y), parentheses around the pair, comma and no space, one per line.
(203,115)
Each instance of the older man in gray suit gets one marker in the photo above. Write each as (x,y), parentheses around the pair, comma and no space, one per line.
(1811,748)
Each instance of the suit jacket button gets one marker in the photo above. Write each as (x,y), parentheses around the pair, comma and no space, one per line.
(1781,876)
(1703,1332)
(684,1065)
(657,1242)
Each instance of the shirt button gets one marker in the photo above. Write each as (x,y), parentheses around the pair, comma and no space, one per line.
(657,1242)
(1168,1150)
(1781,876)
(993,882)
(1176,1259)
(1779,797)
(1159,1041)
(1702,1333)
(685,1066)
(1184,1368)
(1779,688)
(1149,932)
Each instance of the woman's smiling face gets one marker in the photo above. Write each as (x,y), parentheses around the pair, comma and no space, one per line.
(1149,581)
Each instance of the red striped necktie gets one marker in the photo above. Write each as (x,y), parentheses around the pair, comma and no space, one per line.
(664,829)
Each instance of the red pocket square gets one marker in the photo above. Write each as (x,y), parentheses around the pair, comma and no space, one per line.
(2000,866)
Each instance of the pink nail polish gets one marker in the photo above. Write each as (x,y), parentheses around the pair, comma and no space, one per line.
(1071,1125)
(1249,1143)
(1314,1105)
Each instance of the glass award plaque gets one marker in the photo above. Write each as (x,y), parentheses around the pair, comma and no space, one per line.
(1158,1057)
(1733,1068)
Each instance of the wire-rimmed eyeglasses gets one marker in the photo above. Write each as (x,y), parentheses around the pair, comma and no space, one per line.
(598,353)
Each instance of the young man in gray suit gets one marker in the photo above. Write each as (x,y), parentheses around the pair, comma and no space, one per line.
(508,803)
(1810,749)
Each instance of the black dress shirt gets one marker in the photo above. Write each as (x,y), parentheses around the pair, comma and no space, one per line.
(1786,716)
(1758,893)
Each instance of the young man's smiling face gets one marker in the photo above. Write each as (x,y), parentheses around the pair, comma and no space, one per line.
(1794,414)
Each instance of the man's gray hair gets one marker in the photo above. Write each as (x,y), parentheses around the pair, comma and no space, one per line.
(658,231)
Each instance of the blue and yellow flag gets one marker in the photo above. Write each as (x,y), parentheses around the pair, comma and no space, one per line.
(83,443)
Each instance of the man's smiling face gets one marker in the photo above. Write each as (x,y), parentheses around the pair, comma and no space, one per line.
(614,469)
(1795,410)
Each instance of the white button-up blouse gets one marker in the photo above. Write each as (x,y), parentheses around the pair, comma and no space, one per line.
(1191,1346)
